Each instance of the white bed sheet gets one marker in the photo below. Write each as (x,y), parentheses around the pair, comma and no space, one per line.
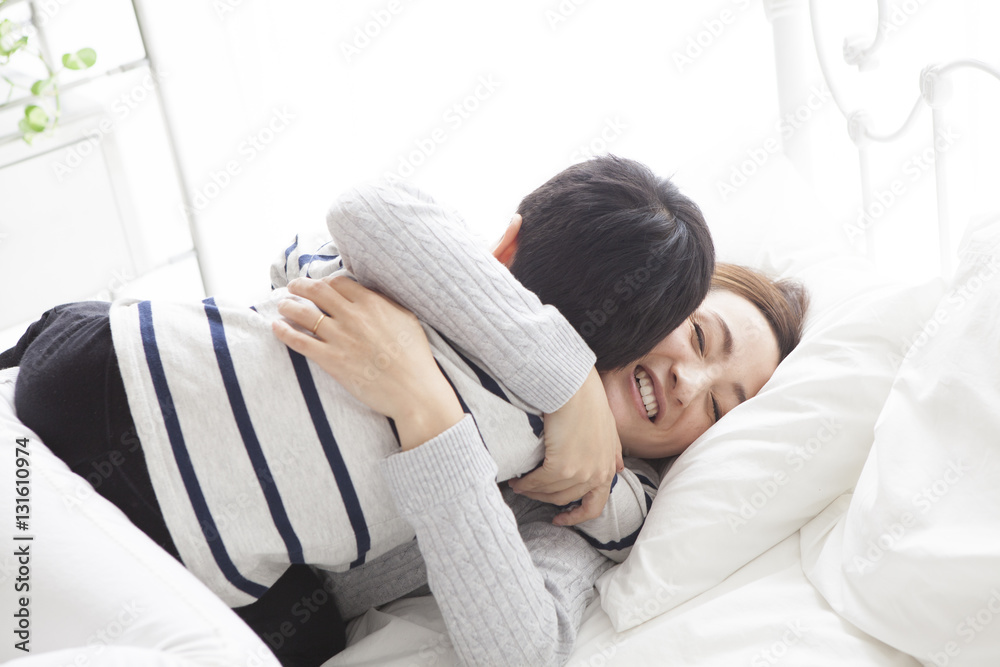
(767,613)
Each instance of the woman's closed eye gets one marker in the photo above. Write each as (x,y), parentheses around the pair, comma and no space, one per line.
(700,336)
(699,343)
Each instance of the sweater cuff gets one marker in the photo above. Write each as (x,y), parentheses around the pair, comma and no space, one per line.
(556,366)
(448,465)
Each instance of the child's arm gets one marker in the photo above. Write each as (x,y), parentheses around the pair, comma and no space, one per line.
(399,241)
(614,532)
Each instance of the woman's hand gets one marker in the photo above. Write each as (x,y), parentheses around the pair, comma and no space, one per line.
(582,455)
(376,349)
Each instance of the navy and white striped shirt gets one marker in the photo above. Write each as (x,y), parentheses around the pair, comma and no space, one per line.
(260,459)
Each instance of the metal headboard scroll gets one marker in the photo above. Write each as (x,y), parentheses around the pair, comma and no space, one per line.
(788,18)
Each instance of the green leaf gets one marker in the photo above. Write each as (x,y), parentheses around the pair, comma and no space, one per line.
(35,118)
(8,47)
(42,86)
(82,59)
(26,132)
(88,56)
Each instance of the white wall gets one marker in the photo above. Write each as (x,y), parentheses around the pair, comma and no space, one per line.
(686,87)
(559,76)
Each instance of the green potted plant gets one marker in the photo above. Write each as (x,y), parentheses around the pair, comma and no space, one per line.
(41,115)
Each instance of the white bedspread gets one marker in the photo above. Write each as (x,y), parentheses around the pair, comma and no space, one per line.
(100,592)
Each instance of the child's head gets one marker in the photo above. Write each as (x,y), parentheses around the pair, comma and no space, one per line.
(622,254)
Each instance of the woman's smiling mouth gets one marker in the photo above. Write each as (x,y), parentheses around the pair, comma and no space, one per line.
(645,394)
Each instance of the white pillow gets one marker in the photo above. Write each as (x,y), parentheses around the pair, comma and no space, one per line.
(915,560)
(776,461)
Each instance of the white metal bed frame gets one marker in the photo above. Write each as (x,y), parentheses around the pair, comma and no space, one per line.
(793,21)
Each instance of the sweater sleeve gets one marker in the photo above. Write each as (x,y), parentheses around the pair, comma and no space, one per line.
(632,491)
(508,597)
(396,239)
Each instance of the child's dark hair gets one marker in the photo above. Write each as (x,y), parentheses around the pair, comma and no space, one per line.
(622,254)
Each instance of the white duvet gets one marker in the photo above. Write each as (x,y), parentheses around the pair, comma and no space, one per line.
(914,556)
(98,591)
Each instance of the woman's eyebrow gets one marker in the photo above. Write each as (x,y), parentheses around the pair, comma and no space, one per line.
(727,336)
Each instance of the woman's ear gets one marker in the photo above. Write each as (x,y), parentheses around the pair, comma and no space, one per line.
(507,246)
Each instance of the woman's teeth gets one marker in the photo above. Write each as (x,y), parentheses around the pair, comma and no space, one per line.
(646,391)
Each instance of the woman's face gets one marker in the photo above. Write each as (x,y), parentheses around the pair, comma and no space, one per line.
(720,357)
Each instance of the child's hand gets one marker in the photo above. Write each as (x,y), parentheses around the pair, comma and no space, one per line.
(376,349)
(582,455)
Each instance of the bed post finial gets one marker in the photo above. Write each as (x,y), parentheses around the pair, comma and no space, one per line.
(861,55)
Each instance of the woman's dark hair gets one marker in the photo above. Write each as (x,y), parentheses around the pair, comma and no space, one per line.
(622,254)
(782,302)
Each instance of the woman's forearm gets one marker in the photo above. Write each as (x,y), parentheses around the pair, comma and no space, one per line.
(427,417)
(377,350)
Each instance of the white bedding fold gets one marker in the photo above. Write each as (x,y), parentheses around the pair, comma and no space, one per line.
(101,592)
